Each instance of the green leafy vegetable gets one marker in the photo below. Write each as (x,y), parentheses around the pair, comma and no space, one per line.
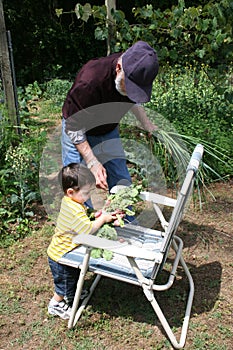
(107,255)
(106,231)
(96,253)
(123,199)
(120,201)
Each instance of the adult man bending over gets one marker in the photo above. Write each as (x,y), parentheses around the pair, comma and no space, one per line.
(102,93)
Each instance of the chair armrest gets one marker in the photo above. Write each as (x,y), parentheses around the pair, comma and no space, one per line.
(124,248)
(150,196)
(158,199)
(196,158)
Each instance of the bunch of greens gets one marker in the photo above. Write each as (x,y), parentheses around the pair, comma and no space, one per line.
(122,201)
(118,202)
(106,231)
(177,150)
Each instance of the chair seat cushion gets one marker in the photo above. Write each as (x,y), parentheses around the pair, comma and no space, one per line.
(119,264)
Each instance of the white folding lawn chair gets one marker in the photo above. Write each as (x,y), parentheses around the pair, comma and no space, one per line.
(142,255)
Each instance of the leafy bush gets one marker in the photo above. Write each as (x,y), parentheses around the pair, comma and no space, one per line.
(179,34)
(46,47)
(19,188)
(56,90)
(198,109)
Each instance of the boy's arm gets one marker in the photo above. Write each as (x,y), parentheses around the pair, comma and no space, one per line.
(100,221)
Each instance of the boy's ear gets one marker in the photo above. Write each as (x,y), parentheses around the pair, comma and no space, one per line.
(70,192)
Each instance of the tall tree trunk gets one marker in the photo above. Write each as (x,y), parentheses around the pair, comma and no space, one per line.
(110,4)
(5,65)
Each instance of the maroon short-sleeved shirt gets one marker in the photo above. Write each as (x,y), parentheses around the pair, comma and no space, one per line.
(95,85)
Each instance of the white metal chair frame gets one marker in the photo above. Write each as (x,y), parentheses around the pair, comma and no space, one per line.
(134,254)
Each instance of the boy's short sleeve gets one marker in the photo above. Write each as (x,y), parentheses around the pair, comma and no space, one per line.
(81,222)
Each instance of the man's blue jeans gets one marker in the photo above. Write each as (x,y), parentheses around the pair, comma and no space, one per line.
(109,151)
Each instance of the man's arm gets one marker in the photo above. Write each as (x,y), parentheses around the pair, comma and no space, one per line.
(141,116)
(93,164)
(75,131)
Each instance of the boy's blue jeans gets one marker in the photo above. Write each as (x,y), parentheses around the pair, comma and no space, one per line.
(65,280)
(109,151)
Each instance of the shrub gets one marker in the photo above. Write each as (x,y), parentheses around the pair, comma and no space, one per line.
(198,108)
(19,188)
(56,90)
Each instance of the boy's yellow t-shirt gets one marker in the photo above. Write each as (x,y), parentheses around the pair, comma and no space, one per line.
(72,217)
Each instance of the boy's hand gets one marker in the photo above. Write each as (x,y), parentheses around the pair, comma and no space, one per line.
(115,217)
(98,213)
(119,221)
(108,217)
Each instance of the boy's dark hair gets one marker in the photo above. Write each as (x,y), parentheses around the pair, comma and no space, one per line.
(75,175)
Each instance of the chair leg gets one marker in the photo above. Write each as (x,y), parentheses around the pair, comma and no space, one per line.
(177,345)
(149,293)
(79,287)
(86,300)
(190,296)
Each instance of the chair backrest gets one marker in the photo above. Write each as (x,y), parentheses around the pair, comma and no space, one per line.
(178,210)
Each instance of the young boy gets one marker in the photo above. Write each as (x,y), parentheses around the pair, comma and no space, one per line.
(77,182)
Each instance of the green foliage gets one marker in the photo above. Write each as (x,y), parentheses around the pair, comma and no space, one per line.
(67,34)
(120,201)
(180,34)
(27,96)
(56,90)
(123,199)
(18,164)
(19,175)
(47,46)
(19,191)
(198,109)
(108,232)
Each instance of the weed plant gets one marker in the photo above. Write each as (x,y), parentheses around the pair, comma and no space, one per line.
(19,172)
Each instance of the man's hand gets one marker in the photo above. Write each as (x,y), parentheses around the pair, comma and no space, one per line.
(150,127)
(100,175)
(93,164)
(140,114)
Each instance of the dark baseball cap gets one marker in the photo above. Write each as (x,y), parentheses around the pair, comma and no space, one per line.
(140,65)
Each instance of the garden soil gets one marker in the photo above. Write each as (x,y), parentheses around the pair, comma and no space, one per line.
(26,287)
